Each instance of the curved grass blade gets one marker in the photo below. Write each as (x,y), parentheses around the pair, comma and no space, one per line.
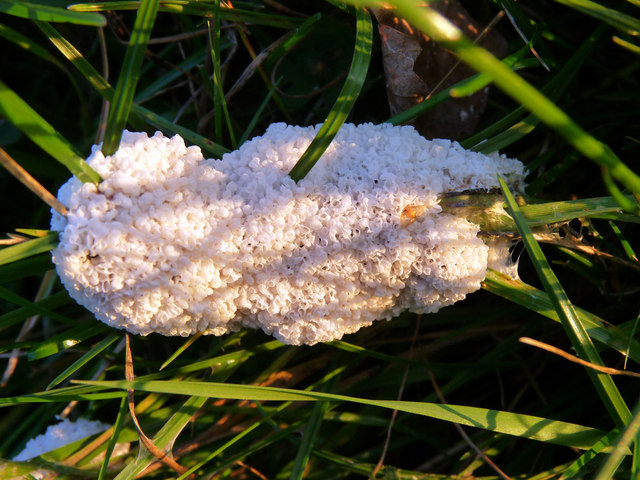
(33,307)
(446,33)
(538,301)
(164,438)
(571,322)
(506,131)
(129,75)
(67,339)
(629,435)
(526,426)
(54,301)
(346,99)
(104,89)
(575,470)
(28,248)
(47,13)
(117,427)
(308,439)
(616,19)
(18,112)
(199,8)
(83,360)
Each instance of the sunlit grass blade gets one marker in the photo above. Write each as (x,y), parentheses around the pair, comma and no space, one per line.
(67,339)
(164,438)
(129,75)
(83,360)
(629,435)
(308,440)
(18,112)
(346,98)
(64,395)
(201,9)
(571,322)
(446,33)
(190,341)
(104,89)
(526,426)
(28,248)
(628,250)
(538,301)
(117,427)
(576,469)
(615,18)
(36,11)
(507,129)
(630,46)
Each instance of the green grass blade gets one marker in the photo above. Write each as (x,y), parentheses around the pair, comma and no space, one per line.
(574,328)
(346,99)
(33,11)
(129,75)
(616,19)
(631,254)
(67,339)
(219,101)
(33,265)
(164,438)
(629,435)
(28,248)
(576,469)
(538,301)
(104,89)
(199,8)
(117,427)
(446,33)
(83,360)
(35,308)
(18,112)
(506,131)
(56,300)
(308,440)
(526,426)
(190,341)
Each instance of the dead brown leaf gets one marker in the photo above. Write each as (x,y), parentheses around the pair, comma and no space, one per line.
(416,68)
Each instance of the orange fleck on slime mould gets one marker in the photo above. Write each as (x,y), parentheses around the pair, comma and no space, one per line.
(410,214)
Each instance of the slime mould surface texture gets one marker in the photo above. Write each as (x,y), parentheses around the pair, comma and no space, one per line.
(173,243)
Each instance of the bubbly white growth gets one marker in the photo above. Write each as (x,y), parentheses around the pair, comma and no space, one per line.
(59,435)
(175,244)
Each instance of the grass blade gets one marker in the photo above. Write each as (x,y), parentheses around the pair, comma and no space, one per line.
(67,339)
(28,248)
(526,426)
(48,13)
(18,112)
(616,19)
(129,75)
(574,328)
(104,89)
(346,99)
(114,438)
(83,360)
(538,301)
(308,440)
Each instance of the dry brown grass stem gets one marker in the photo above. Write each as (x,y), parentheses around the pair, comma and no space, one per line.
(574,359)
(31,183)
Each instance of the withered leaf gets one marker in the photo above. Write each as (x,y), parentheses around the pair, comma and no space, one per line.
(416,67)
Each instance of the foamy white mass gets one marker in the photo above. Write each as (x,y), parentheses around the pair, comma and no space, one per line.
(59,435)
(172,243)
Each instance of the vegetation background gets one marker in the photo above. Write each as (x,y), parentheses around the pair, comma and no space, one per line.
(449,395)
